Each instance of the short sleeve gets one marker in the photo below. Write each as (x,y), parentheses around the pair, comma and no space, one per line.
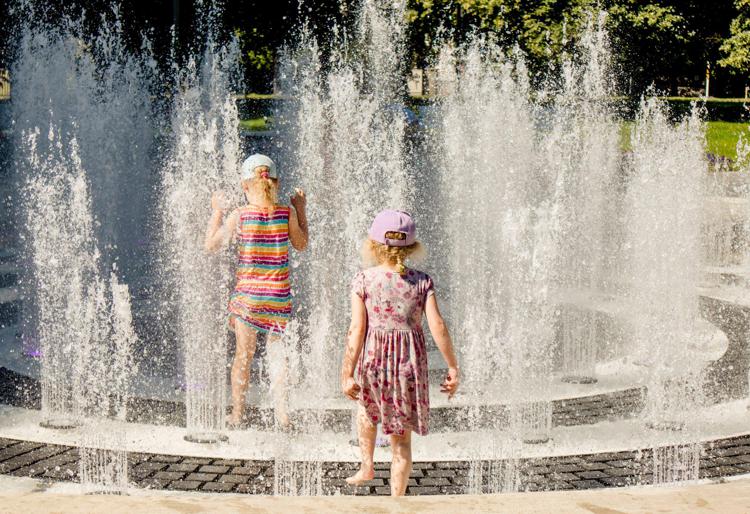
(428,287)
(358,285)
(238,225)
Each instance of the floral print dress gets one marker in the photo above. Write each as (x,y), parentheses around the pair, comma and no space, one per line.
(392,369)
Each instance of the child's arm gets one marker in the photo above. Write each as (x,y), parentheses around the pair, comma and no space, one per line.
(439,331)
(354,341)
(298,234)
(219,234)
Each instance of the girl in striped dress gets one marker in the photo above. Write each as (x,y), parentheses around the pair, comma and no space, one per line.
(261,301)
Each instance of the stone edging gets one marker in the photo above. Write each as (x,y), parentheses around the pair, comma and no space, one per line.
(22,391)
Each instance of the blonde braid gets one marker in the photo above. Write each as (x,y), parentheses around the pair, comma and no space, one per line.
(374,253)
(266,187)
(401,267)
(268,190)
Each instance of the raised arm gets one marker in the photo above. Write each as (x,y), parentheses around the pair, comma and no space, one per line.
(298,234)
(219,231)
(439,331)
(354,340)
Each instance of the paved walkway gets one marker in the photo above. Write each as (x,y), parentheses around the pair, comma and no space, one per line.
(726,498)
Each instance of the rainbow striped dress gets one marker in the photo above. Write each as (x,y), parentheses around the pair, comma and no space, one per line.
(262,297)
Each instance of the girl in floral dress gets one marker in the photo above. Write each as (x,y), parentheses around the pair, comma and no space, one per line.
(386,345)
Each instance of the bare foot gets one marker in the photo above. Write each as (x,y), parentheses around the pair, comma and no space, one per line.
(361,476)
(234,422)
(282,418)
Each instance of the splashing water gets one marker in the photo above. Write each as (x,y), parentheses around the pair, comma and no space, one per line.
(88,187)
(65,266)
(676,463)
(549,172)
(93,87)
(345,129)
(537,217)
(662,218)
(347,140)
(103,464)
(665,225)
(204,158)
(86,347)
(497,274)
(580,149)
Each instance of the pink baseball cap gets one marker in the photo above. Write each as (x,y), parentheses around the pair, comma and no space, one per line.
(401,225)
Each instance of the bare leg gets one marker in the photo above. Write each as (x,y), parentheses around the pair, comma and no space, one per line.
(278,372)
(366,432)
(401,464)
(243,357)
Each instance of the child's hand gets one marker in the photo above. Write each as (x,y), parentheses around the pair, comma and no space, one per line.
(350,388)
(450,384)
(298,199)
(219,201)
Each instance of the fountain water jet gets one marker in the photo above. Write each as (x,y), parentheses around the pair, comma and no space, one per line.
(205,157)
(664,224)
(65,268)
(86,359)
(87,191)
(497,276)
(522,298)
(344,145)
(103,465)
(347,151)
(580,151)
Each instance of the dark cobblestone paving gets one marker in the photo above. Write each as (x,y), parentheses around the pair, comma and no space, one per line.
(720,458)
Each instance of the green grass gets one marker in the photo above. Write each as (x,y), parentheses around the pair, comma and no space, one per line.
(256,124)
(710,99)
(258,96)
(721,137)
(626,136)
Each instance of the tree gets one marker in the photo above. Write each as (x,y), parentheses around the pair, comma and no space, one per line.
(540,28)
(661,42)
(650,42)
(736,49)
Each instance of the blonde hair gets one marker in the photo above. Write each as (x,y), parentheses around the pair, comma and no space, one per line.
(374,253)
(266,188)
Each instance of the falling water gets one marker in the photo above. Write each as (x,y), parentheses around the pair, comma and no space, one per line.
(581,149)
(664,224)
(528,183)
(103,460)
(664,227)
(87,187)
(346,136)
(86,345)
(64,269)
(344,131)
(103,93)
(676,463)
(578,339)
(493,476)
(497,273)
(204,158)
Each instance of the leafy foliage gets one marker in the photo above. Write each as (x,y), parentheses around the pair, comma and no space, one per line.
(736,48)
(655,41)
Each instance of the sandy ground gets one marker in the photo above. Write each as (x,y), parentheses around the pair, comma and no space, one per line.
(26,496)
